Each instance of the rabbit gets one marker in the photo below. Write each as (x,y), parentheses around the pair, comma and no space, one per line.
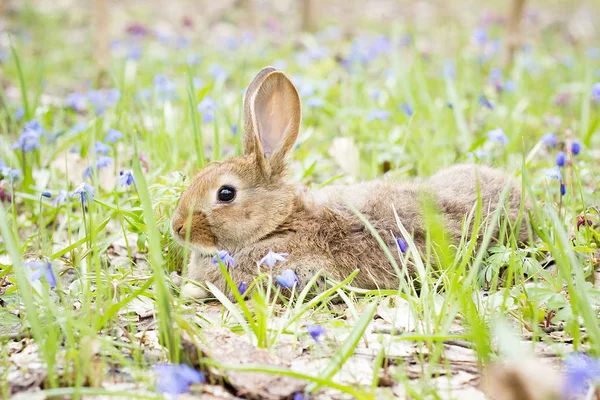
(244,205)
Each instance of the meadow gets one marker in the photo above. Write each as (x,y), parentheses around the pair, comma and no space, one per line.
(92,166)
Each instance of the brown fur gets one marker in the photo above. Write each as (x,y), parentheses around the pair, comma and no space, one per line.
(317,229)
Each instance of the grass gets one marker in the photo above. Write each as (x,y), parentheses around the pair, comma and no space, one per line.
(114,256)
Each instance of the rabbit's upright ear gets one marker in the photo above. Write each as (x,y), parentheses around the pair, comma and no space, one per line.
(276,115)
(249,132)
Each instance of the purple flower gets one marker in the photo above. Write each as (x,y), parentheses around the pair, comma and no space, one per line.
(206,105)
(479,154)
(561,158)
(315,102)
(177,378)
(137,29)
(11,173)
(134,52)
(76,101)
(549,139)
(208,117)
(60,198)
(165,88)
(218,72)
(563,189)
(113,135)
(242,287)
(580,372)
(287,279)
(554,173)
(497,135)
(485,102)
(29,139)
(407,109)
(315,331)
(234,129)
(575,148)
(381,115)
(83,191)
(273,258)
(402,245)
(596,91)
(300,396)
(103,99)
(39,269)
(126,178)
(101,148)
(225,258)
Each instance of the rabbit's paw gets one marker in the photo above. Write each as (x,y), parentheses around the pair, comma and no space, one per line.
(192,291)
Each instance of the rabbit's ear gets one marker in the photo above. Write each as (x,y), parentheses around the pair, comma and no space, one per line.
(249,131)
(276,115)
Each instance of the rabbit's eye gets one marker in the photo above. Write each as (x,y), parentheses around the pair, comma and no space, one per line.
(226,194)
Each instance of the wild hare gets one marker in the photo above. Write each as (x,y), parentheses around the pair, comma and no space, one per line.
(245,206)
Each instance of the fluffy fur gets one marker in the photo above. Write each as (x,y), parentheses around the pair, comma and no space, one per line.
(317,229)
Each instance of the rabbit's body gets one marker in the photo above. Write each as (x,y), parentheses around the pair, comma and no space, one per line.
(316,228)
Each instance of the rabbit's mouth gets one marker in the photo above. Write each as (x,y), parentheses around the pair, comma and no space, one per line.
(195,235)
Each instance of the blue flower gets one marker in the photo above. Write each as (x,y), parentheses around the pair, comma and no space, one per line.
(29,140)
(207,105)
(113,135)
(226,258)
(101,148)
(60,198)
(76,101)
(481,36)
(218,72)
(407,109)
(561,158)
(402,245)
(479,154)
(134,52)
(103,99)
(19,112)
(549,139)
(242,287)
(208,117)
(11,173)
(580,372)
(554,173)
(485,102)
(575,148)
(315,102)
(83,192)
(47,195)
(273,258)
(177,378)
(315,331)
(39,269)
(300,396)
(381,115)
(234,129)
(165,88)
(596,92)
(126,178)
(497,135)
(563,189)
(287,279)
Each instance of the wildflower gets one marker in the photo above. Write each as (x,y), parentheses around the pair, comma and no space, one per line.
(126,178)
(485,102)
(76,101)
(4,195)
(596,91)
(580,372)
(218,72)
(101,148)
(402,245)
(177,379)
(315,102)
(193,60)
(28,141)
(103,99)
(273,258)
(206,105)
(83,191)
(549,139)
(234,129)
(19,112)
(11,173)
(381,115)
(478,154)
(563,189)
(481,36)
(575,148)
(165,89)
(287,279)
(554,173)
(582,220)
(242,287)
(113,135)
(497,135)
(208,117)
(39,269)
(60,198)
(47,195)
(300,396)
(197,83)
(134,52)
(315,331)
(225,257)
(137,29)
(407,109)
(560,158)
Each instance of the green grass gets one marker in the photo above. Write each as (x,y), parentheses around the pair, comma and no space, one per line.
(114,257)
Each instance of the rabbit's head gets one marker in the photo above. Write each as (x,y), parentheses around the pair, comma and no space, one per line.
(234,203)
